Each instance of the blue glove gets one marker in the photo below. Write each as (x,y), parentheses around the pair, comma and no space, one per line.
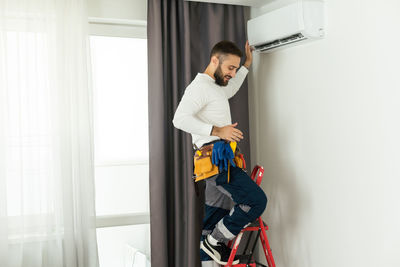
(222,154)
(216,156)
(228,155)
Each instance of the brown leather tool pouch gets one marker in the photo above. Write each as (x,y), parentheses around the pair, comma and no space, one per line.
(239,161)
(203,167)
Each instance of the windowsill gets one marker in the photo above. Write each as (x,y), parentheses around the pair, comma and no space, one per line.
(34,238)
(122,219)
(120,163)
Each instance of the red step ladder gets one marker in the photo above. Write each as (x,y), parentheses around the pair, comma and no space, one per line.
(261,228)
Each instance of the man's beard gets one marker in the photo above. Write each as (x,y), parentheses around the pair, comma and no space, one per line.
(219,77)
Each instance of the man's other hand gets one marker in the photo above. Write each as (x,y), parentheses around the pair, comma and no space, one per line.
(229,132)
(249,55)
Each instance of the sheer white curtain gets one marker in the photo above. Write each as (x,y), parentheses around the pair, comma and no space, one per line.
(47,215)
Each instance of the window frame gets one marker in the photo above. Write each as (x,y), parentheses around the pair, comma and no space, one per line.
(109,27)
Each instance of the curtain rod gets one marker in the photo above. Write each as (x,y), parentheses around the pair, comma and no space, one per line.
(123,22)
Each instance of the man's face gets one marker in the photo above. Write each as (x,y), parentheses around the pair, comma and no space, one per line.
(228,64)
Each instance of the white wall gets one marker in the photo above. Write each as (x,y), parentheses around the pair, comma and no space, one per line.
(118,9)
(325,120)
(127,17)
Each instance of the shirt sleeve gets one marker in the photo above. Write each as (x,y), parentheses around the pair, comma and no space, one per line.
(235,83)
(185,117)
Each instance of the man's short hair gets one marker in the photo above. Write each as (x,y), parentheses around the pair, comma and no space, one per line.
(224,48)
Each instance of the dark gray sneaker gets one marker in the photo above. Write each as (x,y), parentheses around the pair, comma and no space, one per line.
(219,253)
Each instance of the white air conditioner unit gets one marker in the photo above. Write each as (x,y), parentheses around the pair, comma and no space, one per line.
(289,25)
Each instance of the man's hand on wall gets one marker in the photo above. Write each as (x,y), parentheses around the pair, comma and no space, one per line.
(249,55)
(229,132)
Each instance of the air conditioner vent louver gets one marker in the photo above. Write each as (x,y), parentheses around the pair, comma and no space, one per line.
(277,43)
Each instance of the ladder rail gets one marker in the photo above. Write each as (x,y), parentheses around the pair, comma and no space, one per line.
(256,176)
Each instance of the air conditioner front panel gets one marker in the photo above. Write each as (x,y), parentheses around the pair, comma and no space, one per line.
(314,18)
(290,25)
(275,25)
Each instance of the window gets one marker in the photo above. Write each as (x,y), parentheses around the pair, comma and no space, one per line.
(119,68)
(31,193)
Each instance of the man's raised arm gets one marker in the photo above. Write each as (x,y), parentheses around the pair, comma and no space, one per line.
(236,82)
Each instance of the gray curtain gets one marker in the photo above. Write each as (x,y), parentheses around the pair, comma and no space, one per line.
(180,37)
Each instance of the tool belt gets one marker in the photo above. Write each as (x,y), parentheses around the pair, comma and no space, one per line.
(203,167)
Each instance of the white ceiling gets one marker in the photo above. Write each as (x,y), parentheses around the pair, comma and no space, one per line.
(253,3)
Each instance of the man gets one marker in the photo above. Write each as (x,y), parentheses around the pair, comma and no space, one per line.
(205,113)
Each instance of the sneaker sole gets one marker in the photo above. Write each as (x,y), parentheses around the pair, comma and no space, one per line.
(209,253)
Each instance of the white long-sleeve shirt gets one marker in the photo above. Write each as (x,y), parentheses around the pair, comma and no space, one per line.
(205,104)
